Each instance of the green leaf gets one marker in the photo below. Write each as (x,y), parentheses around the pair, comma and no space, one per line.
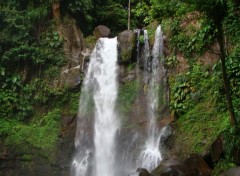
(51,43)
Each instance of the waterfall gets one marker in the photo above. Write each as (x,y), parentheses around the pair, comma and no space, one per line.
(151,155)
(137,32)
(100,90)
(95,143)
(146,57)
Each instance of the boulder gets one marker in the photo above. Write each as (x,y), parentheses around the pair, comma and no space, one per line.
(143,172)
(193,166)
(101,31)
(232,172)
(71,77)
(217,149)
(126,40)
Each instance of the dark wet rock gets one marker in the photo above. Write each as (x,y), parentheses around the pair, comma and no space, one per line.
(73,47)
(168,131)
(217,149)
(236,157)
(101,31)
(71,77)
(232,172)
(74,42)
(193,166)
(143,172)
(126,40)
(126,75)
(166,50)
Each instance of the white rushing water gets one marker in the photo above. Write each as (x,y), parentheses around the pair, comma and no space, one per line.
(146,57)
(151,155)
(105,96)
(100,86)
(137,32)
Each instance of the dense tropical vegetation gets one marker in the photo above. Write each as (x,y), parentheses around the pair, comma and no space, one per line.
(31,58)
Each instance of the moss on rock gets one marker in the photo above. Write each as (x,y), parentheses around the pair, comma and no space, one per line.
(127,40)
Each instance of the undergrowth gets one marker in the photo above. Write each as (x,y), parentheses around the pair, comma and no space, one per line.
(128,93)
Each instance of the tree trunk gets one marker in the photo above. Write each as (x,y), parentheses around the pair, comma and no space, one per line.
(129,13)
(225,78)
(56,10)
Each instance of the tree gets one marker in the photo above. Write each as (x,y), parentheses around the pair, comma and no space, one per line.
(129,13)
(216,11)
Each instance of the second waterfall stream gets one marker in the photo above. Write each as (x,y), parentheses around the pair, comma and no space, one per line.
(151,154)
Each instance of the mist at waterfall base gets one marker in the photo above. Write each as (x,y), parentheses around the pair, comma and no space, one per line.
(97,153)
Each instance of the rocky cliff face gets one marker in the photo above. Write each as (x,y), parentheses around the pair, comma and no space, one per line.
(74,45)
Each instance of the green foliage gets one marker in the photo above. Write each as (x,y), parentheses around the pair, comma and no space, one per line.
(196,98)
(171,62)
(131,66)
(90,41)
(15,98)
(231,144)
(222,166)
(232,23)
(18,99)
(82,10)
(233,67)
(90,13)
(111,14)
(140,14)
(42,133)
(179,92)
(187,90)
(191,39)
(70,102)
(30,53)
(45,94)
(83,6)
(194,133)
(141,39)
(161,9)
(202,38)
(29,47)
(127,94)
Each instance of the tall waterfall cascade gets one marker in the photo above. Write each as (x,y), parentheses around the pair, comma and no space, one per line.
(101,86)
(99,150)
(151,155)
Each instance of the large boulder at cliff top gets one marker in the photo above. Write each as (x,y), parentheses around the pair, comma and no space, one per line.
(101,31)
(126,41)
